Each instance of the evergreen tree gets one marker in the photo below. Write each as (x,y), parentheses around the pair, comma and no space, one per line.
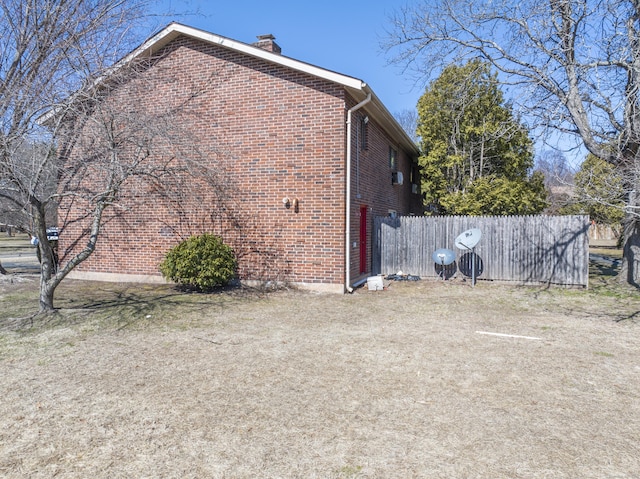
(477,157)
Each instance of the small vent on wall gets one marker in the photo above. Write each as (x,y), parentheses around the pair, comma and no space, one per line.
(397,178)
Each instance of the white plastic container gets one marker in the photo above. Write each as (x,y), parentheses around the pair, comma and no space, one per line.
(374,283)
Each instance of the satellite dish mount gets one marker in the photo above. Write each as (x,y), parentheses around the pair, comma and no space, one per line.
(443,257)
(467,240)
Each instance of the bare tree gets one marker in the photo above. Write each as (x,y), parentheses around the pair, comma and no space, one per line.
(49,49)
(558,180)
(553,164)
(574,65)
(408,119)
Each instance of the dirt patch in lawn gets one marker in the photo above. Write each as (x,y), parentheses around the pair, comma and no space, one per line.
(426,379)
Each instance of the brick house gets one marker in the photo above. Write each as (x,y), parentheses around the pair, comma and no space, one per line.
(309,157)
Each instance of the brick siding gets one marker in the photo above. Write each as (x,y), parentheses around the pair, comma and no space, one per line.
(262,133)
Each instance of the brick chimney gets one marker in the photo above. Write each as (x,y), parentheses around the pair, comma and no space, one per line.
(267,42)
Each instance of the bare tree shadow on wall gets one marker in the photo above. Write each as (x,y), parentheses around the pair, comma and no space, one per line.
(556,257)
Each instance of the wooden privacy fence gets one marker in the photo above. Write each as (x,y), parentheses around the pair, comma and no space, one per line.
(525,249)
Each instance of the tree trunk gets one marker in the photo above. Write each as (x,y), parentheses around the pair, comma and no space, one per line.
(46,297)
(630,270)
(48,278)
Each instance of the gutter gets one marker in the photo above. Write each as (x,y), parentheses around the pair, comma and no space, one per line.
(347,238)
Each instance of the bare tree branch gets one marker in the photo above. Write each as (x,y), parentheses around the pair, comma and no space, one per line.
(49,49)
(575,65)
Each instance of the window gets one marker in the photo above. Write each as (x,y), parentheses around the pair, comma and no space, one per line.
(393,158)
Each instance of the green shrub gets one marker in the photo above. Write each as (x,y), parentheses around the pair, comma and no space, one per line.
(202,262)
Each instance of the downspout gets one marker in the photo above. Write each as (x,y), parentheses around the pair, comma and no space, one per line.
(347,239)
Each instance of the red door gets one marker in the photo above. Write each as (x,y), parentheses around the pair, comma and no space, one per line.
(363,239)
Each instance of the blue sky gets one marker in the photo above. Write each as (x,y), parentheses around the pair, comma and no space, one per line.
(339,35)
(343,36)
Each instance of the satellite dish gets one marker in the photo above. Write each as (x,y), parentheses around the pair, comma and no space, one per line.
(443,256)
(468,239)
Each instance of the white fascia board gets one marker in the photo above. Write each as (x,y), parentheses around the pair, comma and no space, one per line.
(355,85)
(171,31)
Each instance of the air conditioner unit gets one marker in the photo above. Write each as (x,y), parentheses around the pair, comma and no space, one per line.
(397,178)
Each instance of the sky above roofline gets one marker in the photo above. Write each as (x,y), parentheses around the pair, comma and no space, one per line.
(341,36)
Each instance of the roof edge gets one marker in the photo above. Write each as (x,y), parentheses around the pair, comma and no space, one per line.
(355,86)
(174,29)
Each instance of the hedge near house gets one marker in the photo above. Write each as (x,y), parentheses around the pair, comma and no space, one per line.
(201,262)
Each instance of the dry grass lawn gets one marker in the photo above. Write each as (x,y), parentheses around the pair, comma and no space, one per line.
(132,381)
